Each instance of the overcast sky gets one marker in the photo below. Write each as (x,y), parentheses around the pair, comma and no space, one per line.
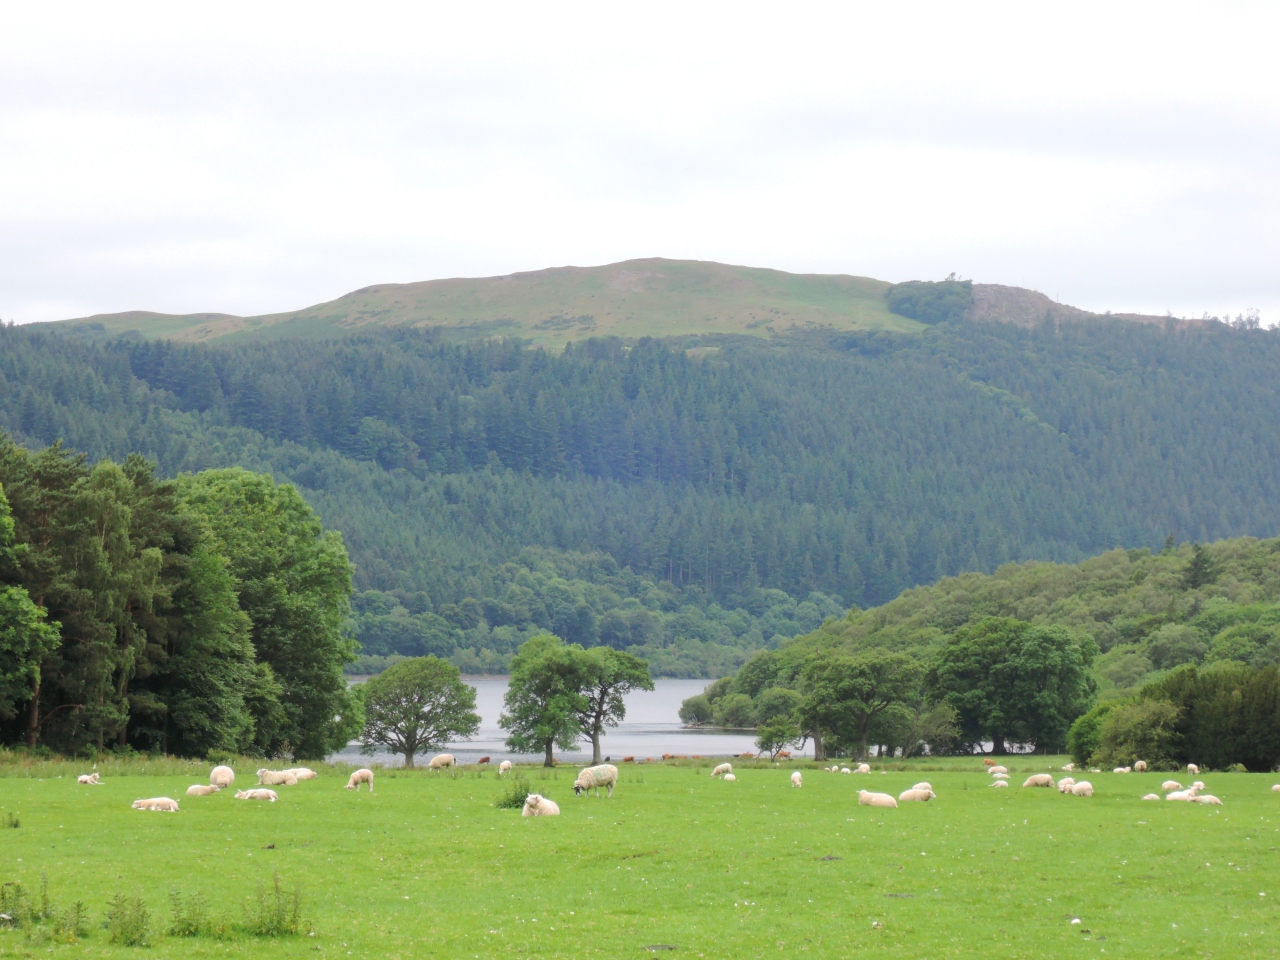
(264,157)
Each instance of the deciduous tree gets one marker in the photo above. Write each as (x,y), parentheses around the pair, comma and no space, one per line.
(417,704)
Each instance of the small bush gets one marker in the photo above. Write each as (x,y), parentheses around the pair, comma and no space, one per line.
(11,820)
(13,905)
(275,913)
(128,921)
(71,925)
(190,915)
(513,797)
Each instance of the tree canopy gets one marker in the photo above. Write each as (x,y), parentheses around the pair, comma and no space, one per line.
(544,700)
(417,704)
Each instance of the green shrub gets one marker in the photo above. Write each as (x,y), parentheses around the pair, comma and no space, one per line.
(128,921)
(696,710)
(275,913)
(190,915)
(1082,738)
(14,909)
(1142,730)
(735,710)
(513,797)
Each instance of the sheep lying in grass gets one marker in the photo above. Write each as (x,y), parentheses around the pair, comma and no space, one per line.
(845,770)
(721,770)
(863,768)
(222,777)
(913,795)
(1276,788)
(276,778)
(442,760)
(1192,769)
(1170,785)
(202,790)
(1123,770)
(504,767)
(1152,796)
(1069,767)
(90,778)
(796,779)
(999,776)
(1140,766)
(1207,798)
(728,777)
(161,804)
(1082,789)
(1198,785)
(593,778)
(1065,784)
(302,773)
(1185,795)
(1039,780)
(868,799)
(998,769)
(923,785)
(257,794)
(536,805)
(1000,783)
(363,775)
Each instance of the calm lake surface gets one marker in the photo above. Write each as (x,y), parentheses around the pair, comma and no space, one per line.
(651,729)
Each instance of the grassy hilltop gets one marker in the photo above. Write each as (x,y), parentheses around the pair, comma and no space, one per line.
(428,867)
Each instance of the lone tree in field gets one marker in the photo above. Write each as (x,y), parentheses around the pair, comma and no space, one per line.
(545,700)
(608,676)
(417,704)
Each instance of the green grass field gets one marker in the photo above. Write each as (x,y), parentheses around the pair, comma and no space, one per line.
(427,866)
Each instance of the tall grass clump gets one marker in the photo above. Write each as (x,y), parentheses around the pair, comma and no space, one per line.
(275,913)
(514,796)
(190,915)
(128,921)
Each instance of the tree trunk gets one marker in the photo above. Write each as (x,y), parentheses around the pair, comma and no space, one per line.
(33,718)
(549,761)
(998,746)
(595,747)
(408,759)
(819,752)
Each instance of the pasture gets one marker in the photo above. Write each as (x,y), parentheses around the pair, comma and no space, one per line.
(427,866)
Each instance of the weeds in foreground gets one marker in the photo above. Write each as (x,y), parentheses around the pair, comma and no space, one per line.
(13,905)
(190,915)
(128,921)
(514,796)
(275,913)
(11,820)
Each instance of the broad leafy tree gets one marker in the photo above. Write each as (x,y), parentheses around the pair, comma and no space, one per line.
(417,704)
(544,703)
(608,675)
(846,696)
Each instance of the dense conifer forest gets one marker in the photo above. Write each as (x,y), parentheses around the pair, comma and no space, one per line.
(690,500)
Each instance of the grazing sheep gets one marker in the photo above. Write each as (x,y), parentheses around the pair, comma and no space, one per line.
(90,778)
(1039,780)
(1000,783)
(722,769)
(302,773)
(796,779)
(1170,785)
(922,785)
(440,761)
(202,790)
(863,768)
(1152,796)
(1123,770)
(505,767)
(1192,768)
(257,794)
(222,777)
(868,799)
(593,778)
(276,778)
(1069,767)
(845,770)
(363,775)
(1065,784)
(913,794)
(536,805)
(1207,798)
(729,776)
(1082,789)
(998,769)
(999,776)
(1140,766)
(160,804)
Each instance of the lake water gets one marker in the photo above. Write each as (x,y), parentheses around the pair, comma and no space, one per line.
(652,728)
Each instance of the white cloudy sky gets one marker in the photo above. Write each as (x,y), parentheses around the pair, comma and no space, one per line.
(261,157)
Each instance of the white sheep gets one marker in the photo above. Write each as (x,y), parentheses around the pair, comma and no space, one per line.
(728,777)
(796,779)
(442,760)
(89,778)
(302,773)
(276,778)
(1039,780)
(914,794)
(1185,795)
(1123,770)
(222,777)
(1000,783)
(1198,785)
(863,768)
(257,794)
(161,804)
(868,799)
(1151,796)
(202,790)
(999,776)
(923,785)
(504,767)
(1065,784)
(1082,789)
(1069,767)
(1276,788)
(536,805)
(1170,785)
(845,770)
(998,769)
(1207,798)
(1140,766)
(363,775)
(722,770)
(1192,769)
(593,778)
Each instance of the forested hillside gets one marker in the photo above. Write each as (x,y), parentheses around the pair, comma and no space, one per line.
(693,500)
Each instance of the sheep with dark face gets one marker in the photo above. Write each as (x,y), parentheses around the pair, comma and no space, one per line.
(593,778)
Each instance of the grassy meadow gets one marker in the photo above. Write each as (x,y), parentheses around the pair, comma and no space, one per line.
(428,866)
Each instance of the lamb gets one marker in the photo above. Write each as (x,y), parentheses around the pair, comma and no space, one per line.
(222,777)
(1170,785)
(722,769)
(863,768)
(1039,780)
(160,804)
(593,778)
(998,769)
(89,778)
(536,805)
(1123,770)
(1207,798)
(504,767)
(276,778)
(796,779)
(728,777)
(868,799)
(363,775)
(1069,767)
(302,773)
(1082,789)
(1140,766)
(845,770)
(202,790)
(1065,784)
(1192,769)
(257,794)
(920,795)
(922,785)
(999,783)
(440,761)
(1152,796)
